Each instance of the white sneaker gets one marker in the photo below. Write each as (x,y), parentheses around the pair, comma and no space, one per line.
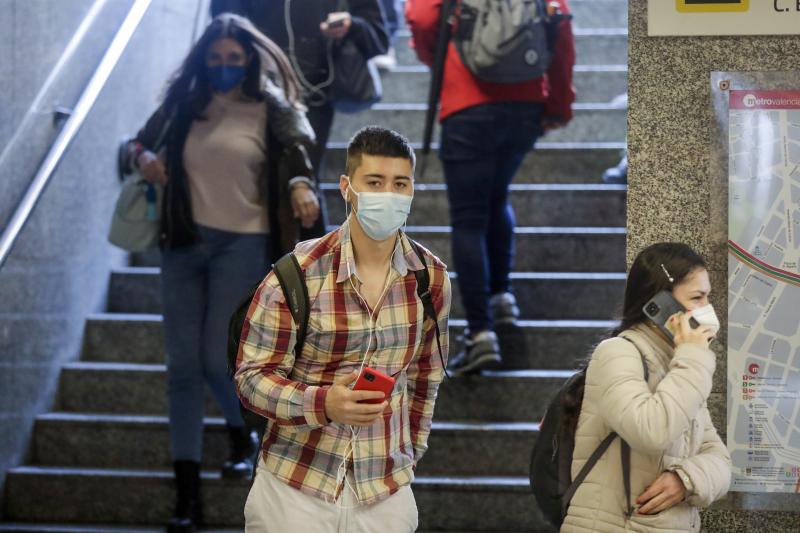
(386,61)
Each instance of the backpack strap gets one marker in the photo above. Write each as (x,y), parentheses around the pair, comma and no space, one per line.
(625,449)
(293,283)
(424,293)
(596,455)
(625,456)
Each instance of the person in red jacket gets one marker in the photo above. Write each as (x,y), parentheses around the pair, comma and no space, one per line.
(487,128)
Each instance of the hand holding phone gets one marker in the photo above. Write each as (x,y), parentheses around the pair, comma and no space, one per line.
(349,407)
(661,308)
(688,333)
(374,380)
(335,22)
(336,25)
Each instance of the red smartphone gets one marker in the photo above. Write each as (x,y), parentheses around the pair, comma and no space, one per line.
(374,380)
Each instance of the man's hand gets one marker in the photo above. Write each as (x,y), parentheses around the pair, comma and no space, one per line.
(666,491)
(337,25)
(305,204)
(341,403)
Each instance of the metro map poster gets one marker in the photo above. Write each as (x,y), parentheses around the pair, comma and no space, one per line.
(764,290)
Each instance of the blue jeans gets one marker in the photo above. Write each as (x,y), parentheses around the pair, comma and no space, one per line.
(201,285)
(391,12)
(482,148)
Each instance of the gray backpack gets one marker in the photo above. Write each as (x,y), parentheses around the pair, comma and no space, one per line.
(505,41)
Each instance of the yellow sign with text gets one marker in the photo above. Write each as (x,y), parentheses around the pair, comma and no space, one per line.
(712,6)
(722,17)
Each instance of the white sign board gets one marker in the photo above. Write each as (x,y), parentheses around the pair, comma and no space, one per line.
(764,290)
(723,17)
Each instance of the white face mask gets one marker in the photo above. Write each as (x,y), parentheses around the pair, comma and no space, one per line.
(706,316)
(381,214)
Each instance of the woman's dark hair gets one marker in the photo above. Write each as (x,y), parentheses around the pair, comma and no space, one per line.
(650,274)
(190,84)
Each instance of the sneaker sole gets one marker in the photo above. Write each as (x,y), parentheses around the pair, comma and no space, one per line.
(486,361)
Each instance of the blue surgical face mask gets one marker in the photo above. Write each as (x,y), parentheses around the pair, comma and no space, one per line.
(382,214)
(225,77)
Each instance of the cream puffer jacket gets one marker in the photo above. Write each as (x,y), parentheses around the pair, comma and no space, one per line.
(666,423)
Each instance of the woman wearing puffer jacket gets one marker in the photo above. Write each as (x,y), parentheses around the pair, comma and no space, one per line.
(678,462)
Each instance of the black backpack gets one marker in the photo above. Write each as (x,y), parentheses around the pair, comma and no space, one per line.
(551,461)
(293,284)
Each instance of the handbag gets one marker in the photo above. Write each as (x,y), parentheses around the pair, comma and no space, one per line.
(136,222)
(356,83)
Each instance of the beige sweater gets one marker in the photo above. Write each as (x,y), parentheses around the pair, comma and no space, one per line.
(223,157)
(667,425)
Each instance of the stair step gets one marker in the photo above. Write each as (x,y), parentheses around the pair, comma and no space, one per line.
(593,46)
(593,83)
(30,527)
(546,249)
(534,205)
(714,519)
(592,122)
(126,441)
(22,527)
(545,344)
(559,163)
(599,13)
(507,396)
(547,295)
(108,496)
(539,249)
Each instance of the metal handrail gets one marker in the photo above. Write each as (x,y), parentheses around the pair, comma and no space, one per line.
(56,153)
(35,109)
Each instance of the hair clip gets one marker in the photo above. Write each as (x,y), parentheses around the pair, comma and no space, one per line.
(670,278)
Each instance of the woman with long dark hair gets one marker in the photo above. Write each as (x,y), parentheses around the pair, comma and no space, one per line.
(235,173)
(677,460)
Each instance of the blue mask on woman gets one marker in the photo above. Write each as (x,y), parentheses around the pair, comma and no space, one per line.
(225,77)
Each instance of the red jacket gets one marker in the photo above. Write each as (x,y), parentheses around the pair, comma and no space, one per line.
(460,89)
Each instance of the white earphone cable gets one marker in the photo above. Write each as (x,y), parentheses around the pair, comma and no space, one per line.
(315,92)
(341,472)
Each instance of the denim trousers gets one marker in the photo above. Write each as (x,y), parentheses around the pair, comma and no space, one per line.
(391,12)
(482,148)
(201,286)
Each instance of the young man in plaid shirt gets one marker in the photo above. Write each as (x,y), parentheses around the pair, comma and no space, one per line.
(329,461)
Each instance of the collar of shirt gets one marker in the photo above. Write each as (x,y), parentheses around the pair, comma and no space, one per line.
(403,258)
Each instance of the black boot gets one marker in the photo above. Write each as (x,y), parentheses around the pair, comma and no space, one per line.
(243,450)
(188,514)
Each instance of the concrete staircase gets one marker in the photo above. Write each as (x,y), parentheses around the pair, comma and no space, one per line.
(101,457)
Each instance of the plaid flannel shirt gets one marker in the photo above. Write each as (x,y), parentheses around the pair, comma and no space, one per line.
(301,446)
